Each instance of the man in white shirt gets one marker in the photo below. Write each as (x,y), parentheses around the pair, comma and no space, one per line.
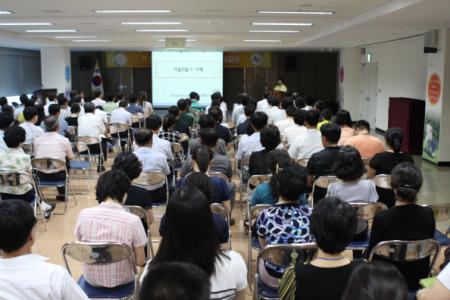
(30,115)
(154,123)
(98,101)
(238,109)
(24,275)
(121,114)
(64,105)
(296,130)
(102,115)
(288,121)
(310,142)
(263,105)
(274,113)
(6,120)
(252,143)
(51,99)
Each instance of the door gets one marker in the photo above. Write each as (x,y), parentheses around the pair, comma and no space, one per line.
(369,95)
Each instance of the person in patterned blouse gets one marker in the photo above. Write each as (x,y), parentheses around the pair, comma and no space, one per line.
(169,133)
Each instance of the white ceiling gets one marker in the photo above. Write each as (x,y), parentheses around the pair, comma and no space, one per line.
(222,24)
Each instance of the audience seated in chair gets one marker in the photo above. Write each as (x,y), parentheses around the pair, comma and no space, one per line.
(344,120)
(121,115)
(134,107)
(55,110)
(207,121)
(109,222)
(30,115)
(185,118)
(24,275)
(154,123)
(244,127)
(440,289)
(190,237)
(333,223)
(222,131)
(366,144)
(297,129)
(249,144)
(263,104)
(288,121)
(274,113)
(405,221)
(305,145)
(75,111)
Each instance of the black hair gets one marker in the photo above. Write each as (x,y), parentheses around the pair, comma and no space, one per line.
(201,181)
(289,183)
(51,96)
(216,113)
(169,121)
(320,105)
(73,94)
(202,155)
(206,121)
(142,97)
(249,109)
(299,102)
(406,181)
(62,100)
(267,93)
(182,104)
(132,98)
(123,103)
(362,125)
(273,101)
(309,100)
(54,109)
(312,117)
(77,99)
(394,139)
(333,224)
(290,111)
(331,132)
(29,113)
(299,117)
(128,163)
(376,281)
(287,102)
(343,118)
(24,98)
(209,137)
(194,95)
(259,120)
(326,114)
(97,94)
(189,235)
(349,165)
(3,101)
(89,107)
(216,96)
(270,137)
(14,136)
(75,108)
(153,122)
(245,99)
(109,97)
(143,136)
(16,222)
(174,110)
(112,184)
(175,280)
(88,98)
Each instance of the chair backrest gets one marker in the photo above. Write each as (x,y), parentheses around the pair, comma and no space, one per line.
(88,140)
(137,211)
(320,187)
(218,174)
(365,212)
(98,253)
(28,148)
(383,181)
(441,211)
(14,179)
(72,130)
(223,211)
(407,251)
(256,180)
(302,162)
(48,165)
(150,178)
(82,147)
(285,255)
(177,148)
(118,127)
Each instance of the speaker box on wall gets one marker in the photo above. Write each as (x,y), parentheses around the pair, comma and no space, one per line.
(431,42)
(291,63)
(85,63)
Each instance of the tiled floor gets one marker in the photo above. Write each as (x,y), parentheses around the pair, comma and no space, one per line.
(60,228)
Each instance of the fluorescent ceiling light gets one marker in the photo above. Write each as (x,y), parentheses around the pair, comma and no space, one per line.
(133,11)
(5,12)
(25,24)
(50,30)
(151,23)
(161,30)
(280,24)
(262,41)
(296,12)
(274,31)
(76,37)
(187,40)
(91,41)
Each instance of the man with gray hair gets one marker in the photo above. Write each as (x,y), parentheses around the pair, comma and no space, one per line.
(53,145)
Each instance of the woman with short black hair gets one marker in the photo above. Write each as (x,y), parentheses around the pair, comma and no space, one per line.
(270,139)
(344,120)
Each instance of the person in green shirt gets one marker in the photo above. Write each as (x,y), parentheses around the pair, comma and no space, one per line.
(184,116)
(325,117)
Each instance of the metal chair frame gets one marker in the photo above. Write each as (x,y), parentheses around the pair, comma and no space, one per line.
(28,149)
(82,147)
(178,154)
(244,167)
(151,178)
(224,212)
(142,214)
(89,141)
(137,118)
(115,129)
(321,182)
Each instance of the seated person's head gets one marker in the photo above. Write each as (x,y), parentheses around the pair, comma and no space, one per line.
(320,105)
(343,118)
(175,280)
(270,137)
(201,181)
(326,114)
(376,281)
(169,122)
(112,185)
(89,107)
(123,103)
(299,102)
(290,183)
(143,137)
(23,99)
(14,136)
(299,117)
(249,110)
(30,114)
(290,111)
(153,122)
(128,163)
(17,226)
(406,181)
(54,109)
(62,100)
(3,101)
(362,126)
(349,165)
(182,105)
(201,158)
(287,102)
(132,99)
(245,99)
(194,96)
(333,224)
(309,100)
(273,101)
(75,108)
(331,133)
(77,99)
(206,121)
(278,159)
(109,97)
(216,113)
(97,94)
(394,138)
(311,118)
(258,120)
(174,110)
(209,137)
(216,97)
(51,124)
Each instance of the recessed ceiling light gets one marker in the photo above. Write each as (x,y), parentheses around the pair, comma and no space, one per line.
(5,12)
(262,41)
(187,40)
(91,41)
(50,30)
(76,37)
(280,24)
(274,31)
(151,23)
(161,30)
(296,12)
(25,24)
(133,11)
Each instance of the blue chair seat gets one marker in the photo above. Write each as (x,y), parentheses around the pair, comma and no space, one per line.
(255,242)
(80,165)
(100,292)
(51,183)
(359,245)
(441,238)
(265,291)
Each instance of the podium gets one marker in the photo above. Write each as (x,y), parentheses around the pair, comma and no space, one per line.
(409,115)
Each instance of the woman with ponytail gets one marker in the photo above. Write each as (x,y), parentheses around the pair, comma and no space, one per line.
(384,162)
(405,221)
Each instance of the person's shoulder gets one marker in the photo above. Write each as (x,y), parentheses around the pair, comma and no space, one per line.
(236,259)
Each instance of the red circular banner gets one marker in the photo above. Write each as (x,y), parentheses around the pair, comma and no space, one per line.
(434,88)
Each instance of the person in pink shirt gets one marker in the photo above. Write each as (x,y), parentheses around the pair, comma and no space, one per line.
(366,144)
(344,120)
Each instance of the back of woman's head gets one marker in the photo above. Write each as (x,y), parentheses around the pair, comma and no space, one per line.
(349,165)
(113,185)
(333,224)
(189,235)
(290,182)
(128,163)
(406,180)
(169,121)
(202,156)
(201,181)
(394,138)
(376,281)
(270,137)
(343,118)
(278,159)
